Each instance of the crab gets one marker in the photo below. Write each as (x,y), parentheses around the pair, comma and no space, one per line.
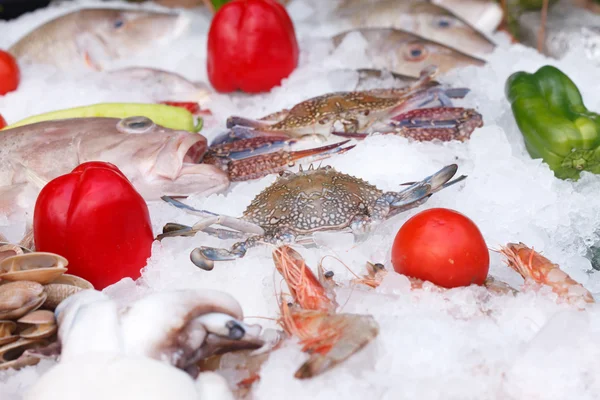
(298,204)
(357,114)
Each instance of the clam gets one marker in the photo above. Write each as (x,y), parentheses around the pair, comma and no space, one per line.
(11,355)
(7,329)
(19,298)
(42,325)
(63,287)
(37,267)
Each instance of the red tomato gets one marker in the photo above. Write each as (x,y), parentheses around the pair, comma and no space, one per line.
(10,74)
(443,247)
(2,122)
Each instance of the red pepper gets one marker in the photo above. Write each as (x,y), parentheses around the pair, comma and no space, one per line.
(94,218)
(192,107)
(251,46)
(10,74)
(2,122)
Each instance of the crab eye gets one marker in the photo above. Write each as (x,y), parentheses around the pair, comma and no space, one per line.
(135,125)
(416,52)
(118,23)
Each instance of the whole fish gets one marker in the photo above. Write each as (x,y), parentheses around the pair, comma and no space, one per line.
(568,27)
(165,83)
(421,18)
(91,37)
(155,159)
(406,53)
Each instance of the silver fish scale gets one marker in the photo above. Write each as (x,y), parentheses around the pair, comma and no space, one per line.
(312,200)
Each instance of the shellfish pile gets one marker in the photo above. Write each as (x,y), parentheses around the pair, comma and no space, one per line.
(32,284)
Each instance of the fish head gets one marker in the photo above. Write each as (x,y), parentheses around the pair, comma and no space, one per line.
(443,26)
(119,33)
(157,160)
(419,53)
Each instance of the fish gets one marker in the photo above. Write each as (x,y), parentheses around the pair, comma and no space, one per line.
(166,83)
(422,18)
(92,37)
(483,15)
(408,54)
(568,27)
(155,159)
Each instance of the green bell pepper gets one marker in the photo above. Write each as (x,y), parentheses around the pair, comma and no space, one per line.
(555,123)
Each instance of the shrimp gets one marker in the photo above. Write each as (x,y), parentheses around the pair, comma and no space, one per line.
(375,274)
(532,266)
(330,338)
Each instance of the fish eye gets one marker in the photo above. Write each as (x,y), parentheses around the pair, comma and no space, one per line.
(135,125)
(118,23)
(444,23)
(416,52)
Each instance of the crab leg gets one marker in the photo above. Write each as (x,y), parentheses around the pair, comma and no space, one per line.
(426,124)
(209,218)
(245,147)
(265,164)
(419,192)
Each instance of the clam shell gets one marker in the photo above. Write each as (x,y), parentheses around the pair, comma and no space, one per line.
(38,317)
(36,267)
(63,287)
(73,280)
(43,325)
(7,329)
(19,298)
(11,355)
(39,331)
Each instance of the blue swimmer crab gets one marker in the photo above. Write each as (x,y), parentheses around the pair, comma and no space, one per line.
(356,114)
(299,204)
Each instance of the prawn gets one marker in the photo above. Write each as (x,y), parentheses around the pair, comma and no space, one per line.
(534,267)
(330,338)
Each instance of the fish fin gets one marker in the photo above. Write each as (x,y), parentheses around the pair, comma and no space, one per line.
(90,63)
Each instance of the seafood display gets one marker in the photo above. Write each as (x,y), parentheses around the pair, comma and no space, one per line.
(304,147)
(406,53)
(88,38)
(312,200)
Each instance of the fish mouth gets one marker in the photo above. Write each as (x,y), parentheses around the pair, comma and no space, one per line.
(192,148)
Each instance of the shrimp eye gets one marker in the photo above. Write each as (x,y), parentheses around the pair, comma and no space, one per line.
(329,274)
(416,52)
(118,23)
(135,125)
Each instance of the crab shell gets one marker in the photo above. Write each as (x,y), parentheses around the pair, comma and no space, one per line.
(335,199)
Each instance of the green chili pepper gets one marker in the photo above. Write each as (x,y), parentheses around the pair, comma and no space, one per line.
(168,116)
(555,123)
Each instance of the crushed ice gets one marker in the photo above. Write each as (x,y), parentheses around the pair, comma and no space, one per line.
(456,345)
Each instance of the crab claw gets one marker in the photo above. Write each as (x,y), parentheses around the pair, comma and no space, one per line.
(265,164)
(249,146)
(427,124)
(443,123)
